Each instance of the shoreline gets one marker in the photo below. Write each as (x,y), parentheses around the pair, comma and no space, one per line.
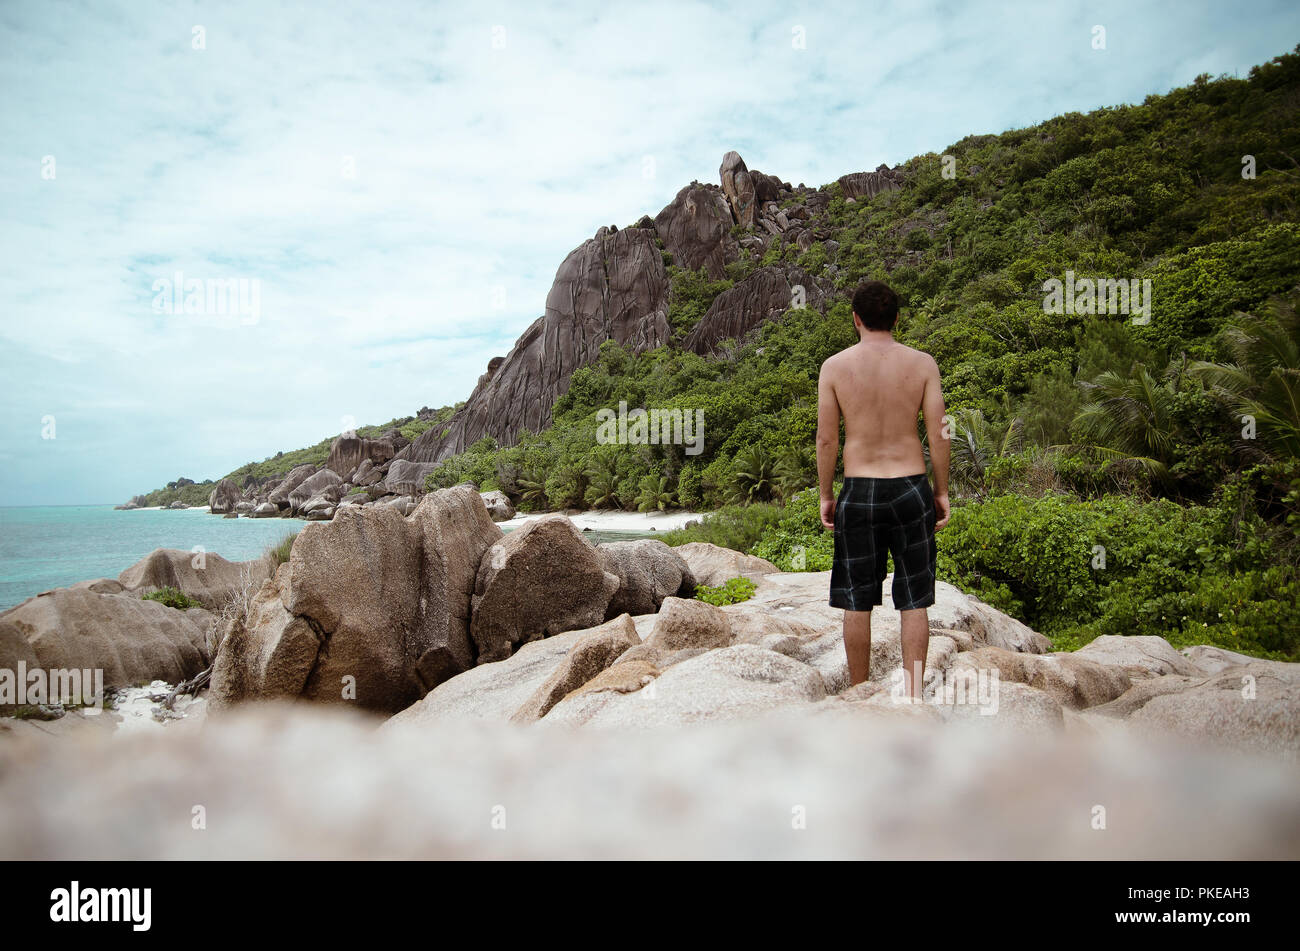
(604,520)
(614,520)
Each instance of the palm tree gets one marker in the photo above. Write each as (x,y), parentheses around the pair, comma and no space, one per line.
(656,493)
(1129,427)
(532,488)
(791,473)
(752,474)
(977,441)
(602,489)
(1263,382)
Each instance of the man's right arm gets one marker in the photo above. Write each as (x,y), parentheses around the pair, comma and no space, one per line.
(936,430)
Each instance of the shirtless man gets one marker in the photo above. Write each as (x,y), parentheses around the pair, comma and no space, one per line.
(886,504)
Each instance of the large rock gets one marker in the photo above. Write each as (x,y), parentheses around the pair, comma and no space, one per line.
(349,451)
(1073,681)
(648,571)
(357,582)
(1139,654)
(204,576)
(1253,706)
(498,505)
(224,497)
(695,228)
(869,184)
(591,655)
(539,580)
(386,597)
(713,565)
(764,295)
(682,624)
(266,654)
(279,496)
(367,474)
(131,640)
(455,532)
(407,478)
(492,691)
(324,485)
(739,189)
(739,681)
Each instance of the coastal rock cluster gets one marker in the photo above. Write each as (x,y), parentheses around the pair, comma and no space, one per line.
(358,472)
(379,608)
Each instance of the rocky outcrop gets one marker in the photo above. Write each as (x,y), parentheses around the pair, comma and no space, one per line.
(204,576)
(761,297)
(1250,706)
(385,598)
(279,496)
(367,473)
(695,229)
(131,640)
(739,189)
(682,624)
(1071,680)
(321,489)
(734,682)
(349,451)
(224,497)
(648,571)
(455,532)
(858,185)
(498,505)
(407,478)
(590,656)
(539,580)
(266,654)
(713,565)
(612,287)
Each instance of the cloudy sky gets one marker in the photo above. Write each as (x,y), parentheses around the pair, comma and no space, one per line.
(401,181)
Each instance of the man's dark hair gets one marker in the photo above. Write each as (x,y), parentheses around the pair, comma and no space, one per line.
(876,305)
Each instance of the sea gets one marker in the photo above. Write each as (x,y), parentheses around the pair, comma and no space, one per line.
(44,547)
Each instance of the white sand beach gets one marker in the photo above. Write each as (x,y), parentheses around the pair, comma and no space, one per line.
(614,520)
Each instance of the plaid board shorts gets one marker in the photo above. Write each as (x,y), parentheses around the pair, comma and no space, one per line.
(874,517)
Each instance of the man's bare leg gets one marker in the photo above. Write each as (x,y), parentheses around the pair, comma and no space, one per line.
(915,626)
(857,645)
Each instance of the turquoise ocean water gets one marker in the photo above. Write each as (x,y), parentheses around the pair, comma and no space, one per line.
(43,547)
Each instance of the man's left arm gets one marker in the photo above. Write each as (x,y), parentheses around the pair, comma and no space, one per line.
(828,443)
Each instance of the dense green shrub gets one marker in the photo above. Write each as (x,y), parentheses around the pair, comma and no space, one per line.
(733,591)
(738,527)
(172,597)
(1075,569)
(799,541)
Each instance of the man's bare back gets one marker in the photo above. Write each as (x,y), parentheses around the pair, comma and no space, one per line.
(879,386)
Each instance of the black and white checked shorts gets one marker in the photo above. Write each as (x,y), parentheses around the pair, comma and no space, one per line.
(874,517)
